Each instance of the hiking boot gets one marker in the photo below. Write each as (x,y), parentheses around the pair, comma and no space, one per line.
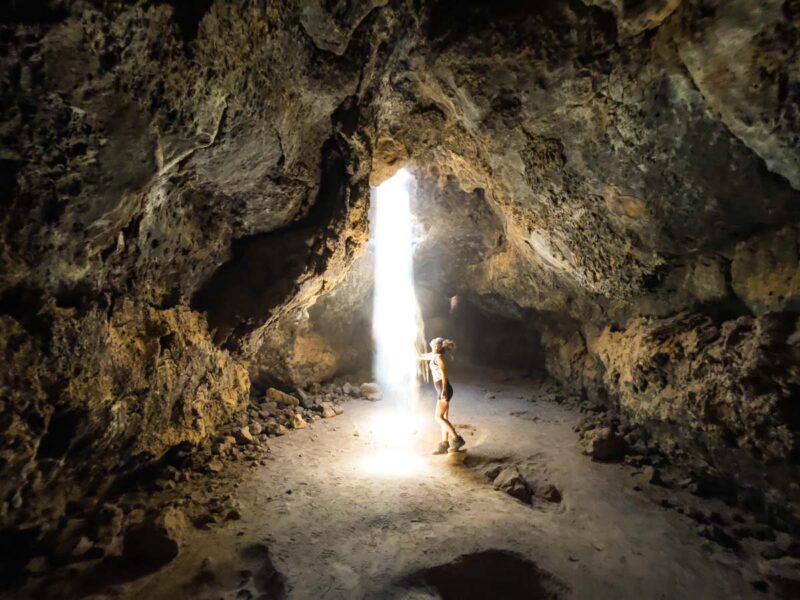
(456,444)
(441,448)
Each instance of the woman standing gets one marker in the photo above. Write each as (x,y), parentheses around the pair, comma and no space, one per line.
(451,441)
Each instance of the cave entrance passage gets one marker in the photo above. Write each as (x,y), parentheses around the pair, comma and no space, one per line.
(394,327)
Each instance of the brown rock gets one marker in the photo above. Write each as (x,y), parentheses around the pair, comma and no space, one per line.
(328,411)
(282,398)
(370,389)
(225,444)
(243,436)
(510,481)
(155,541)
(37,565)
(603,444)
(550,493)
(650,475)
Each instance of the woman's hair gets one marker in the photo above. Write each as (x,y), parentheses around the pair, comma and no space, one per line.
(443,345)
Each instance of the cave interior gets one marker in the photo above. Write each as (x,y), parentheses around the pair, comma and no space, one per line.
(605,206)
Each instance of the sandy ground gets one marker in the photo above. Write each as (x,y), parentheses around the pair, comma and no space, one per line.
(335,530)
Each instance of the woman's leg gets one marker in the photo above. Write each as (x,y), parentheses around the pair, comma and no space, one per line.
(437,386)
(447,410)
(446,416)
(444,424)
(442,428)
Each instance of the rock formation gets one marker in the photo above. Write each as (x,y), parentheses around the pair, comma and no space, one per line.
(185,210)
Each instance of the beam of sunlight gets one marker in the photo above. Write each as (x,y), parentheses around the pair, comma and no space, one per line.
(394,330)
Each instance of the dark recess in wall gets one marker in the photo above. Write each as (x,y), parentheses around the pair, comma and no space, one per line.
(187,15)
(33,11)
(264,269)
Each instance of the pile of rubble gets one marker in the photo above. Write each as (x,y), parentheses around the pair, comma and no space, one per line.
(733,519)
(138,530)
(276,412)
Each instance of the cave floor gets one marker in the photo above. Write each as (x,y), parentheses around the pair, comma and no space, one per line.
(333,531)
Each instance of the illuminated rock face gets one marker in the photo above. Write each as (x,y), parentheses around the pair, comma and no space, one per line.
(185,198)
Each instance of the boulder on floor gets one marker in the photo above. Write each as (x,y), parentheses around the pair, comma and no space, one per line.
(371,391)
(155,541)
(282,398)
(603,444)
(328,411)
(511,481)
(244,436)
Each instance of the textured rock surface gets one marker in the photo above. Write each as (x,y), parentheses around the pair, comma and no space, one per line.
(186,185)
(144,146)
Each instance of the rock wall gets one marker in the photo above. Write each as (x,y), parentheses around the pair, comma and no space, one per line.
(638,162)
(186,185)
(147,149)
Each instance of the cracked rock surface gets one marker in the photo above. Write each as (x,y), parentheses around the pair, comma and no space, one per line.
(607,192)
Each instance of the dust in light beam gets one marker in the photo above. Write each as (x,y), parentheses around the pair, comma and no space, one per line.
(394,331)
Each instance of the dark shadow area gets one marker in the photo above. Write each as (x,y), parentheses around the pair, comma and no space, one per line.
(61,432)
(265,269)
(33,11)
(498,341)
(257,577)
(490,575)
(188,14)
(267,580)
(485,337)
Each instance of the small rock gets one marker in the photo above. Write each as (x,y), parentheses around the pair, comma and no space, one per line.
(370,389)
(83,546)
(215,465)
(243,435)
(298,422)
(651,475)
(603,444)
(328,411)
(550,493)
(37,565)
(233,515)
(306,401)
(155,541)
(282,398)
(256,428)
(784,574)
(772,551)
(204,521)
(510,481)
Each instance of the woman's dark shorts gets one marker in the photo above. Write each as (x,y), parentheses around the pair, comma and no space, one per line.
(448,393)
